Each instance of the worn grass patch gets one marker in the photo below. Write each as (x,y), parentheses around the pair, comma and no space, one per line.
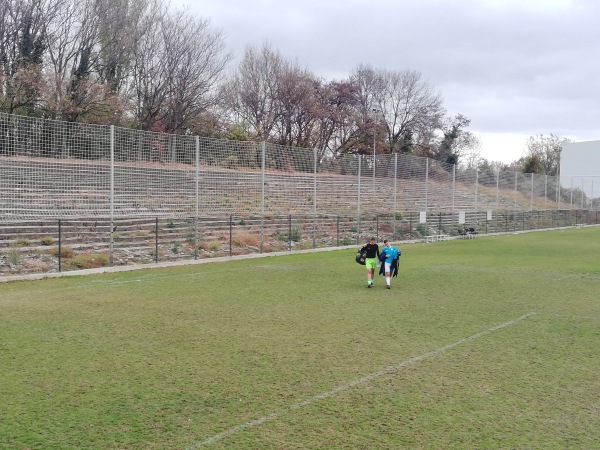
(172,358)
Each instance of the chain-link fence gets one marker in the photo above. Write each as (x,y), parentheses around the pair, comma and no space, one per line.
(97,180)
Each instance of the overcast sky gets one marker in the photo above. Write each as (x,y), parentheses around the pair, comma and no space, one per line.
(516,68)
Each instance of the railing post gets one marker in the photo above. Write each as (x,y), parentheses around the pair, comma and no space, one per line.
(196,216)
(426,181)
(315,199)
(59,245)
(453,185)
(358,215)
(112,194)
(395,194)
(156,239)
(262,196)
(476,190)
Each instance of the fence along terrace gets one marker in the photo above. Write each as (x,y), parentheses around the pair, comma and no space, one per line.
(52,169)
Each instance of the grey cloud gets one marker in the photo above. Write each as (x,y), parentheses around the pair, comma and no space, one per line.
(517,67)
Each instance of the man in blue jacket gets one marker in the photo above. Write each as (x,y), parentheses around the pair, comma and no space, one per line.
(392,255)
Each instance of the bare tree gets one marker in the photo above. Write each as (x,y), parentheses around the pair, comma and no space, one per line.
(194,58)
(338,103)
(22,48)
(410,106)
(250,93)
(148,80)
(74,87)
(177,66)
(121,25)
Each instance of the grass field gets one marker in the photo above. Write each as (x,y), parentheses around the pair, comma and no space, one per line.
(486,343)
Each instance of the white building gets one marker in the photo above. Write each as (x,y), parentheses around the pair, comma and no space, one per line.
(580,168)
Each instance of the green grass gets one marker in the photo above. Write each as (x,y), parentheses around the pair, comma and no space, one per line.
(168,358)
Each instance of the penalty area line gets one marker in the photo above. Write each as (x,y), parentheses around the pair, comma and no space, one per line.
(353,383)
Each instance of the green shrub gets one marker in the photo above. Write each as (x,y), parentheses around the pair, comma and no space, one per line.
(296,234)
(281,236)
(347,241)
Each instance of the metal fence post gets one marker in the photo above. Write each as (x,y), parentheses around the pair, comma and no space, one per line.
(515,193)
(426,181)
(197,182)
(476,190)
(453,185)
(394,209)
(262,196)
(156,239)
(59,245)
(358,215)
(531,196)
(497,190)
(112,194)
(315,198)
(546,193)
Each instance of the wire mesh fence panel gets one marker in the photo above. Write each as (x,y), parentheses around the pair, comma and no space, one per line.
(51,169)
(507,187)
(154,174)
(440,186)
(230,178)
(337,186)
(412,183)
(465,189)
(289,180)
(487,189)
(147,196)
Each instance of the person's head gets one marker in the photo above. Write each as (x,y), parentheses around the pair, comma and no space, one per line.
(386,243)
(373,240)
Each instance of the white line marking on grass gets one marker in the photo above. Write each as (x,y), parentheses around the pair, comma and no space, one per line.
(351,384)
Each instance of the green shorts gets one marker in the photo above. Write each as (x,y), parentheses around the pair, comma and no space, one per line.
(371,263)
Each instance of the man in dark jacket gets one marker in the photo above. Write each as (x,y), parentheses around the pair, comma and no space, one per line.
(372,250)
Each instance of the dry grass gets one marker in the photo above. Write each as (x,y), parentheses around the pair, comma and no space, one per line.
(212,246)
(65,251)
(37,266)
(87,261)
(245,239)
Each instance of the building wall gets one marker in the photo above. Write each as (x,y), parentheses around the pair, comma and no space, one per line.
(580,167)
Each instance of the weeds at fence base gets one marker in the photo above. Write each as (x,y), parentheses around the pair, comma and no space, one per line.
(87,261)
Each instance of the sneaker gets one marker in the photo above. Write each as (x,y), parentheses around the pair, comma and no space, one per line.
(388,286)
(369,285)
